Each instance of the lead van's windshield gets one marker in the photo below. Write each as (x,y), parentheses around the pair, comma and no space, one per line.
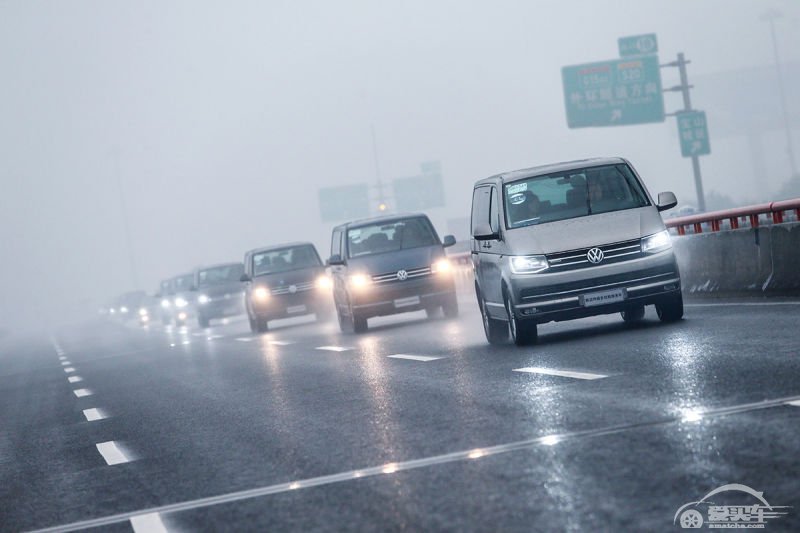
(390,237)
(571,194)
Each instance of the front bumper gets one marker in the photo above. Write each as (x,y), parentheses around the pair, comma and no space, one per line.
(292,304)
(222,307)
(561,296)
(381,299)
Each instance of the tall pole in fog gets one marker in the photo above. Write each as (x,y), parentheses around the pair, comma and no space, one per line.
(378,182)
(770,17)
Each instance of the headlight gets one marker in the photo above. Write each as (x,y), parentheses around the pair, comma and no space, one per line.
(165,303)
(123,309)
(203,299)
(142,312)
(360,281)
(180,302)
(528,264)
(112,310)
(657,242)
(324,282)
(442,266)
(261,294)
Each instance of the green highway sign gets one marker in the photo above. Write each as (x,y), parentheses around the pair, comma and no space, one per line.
(613,93)
(638,45)
(693,133)
(418,193)
(344,203)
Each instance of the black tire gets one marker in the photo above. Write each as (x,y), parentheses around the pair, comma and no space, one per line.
(203,322)
(258,324)
(432,312)
(344,324)
(450,306)
(633,314)
(359,322)
(671,308)
(496,330)
(522,333)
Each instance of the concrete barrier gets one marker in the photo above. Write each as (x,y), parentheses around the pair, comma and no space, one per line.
(762,261)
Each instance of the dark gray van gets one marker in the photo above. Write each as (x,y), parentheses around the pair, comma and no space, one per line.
(389,265)
(570,240)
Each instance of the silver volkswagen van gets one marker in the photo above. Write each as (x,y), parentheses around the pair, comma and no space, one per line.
(567,241)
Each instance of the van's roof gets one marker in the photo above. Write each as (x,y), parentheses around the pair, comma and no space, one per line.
(217,265)
(381,219)
(552,168)
(279,247)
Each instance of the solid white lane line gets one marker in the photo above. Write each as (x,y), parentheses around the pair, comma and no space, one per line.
(69,369)
(94,414)
(80,393)
(391,468)
(112,453)
(795,403)
(423,358)
(333,348)
(74,379)
(280,343)
(560,373)
(244,339)
(148,523)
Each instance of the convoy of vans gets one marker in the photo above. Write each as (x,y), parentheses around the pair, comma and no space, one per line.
(549,243)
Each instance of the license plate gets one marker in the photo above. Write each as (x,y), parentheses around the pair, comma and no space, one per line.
(405,302)
(296,309)
(605,297)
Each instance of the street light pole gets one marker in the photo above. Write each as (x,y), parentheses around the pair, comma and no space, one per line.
(770,17)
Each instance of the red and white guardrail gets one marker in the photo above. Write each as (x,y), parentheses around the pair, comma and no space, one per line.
(751,215)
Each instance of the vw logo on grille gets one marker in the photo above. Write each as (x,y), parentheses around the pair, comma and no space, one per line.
(293,288)
(595,255)
(402,275)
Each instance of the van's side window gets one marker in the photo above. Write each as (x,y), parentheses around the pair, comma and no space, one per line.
(494,219)
(336,243)
(480,206)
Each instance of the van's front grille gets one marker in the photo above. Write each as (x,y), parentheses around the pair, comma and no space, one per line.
(612,253)
(574,288)
(287,289)
(392,276)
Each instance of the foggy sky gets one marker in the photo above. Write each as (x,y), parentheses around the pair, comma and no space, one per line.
(220,120)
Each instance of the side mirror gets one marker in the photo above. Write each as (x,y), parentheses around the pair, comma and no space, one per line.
(448,241)
(484,232)
(245,278)
(666,200)
(334,260)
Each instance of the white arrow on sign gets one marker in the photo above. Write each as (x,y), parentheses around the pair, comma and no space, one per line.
(616,115)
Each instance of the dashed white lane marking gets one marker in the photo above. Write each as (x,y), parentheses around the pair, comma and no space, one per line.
(560,373)
(244,339)
(94,414)
(74,379)
(148,523)
(280,343)
(112,453)
(62,358)
(198,334)
(423,358)
(80,393)
(65,363)
(212,337)
(795,403)
(333,348)
(69,369)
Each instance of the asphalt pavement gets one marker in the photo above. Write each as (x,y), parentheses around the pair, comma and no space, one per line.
(417,425)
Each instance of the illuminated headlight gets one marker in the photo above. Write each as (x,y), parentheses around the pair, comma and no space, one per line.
(123,309)
(142,311)
(324,282)
(180,302)
(203,299)
(442,266)
(181,316)
(165,303)
(112,310)
(261,294)
(360,281)
(657,242)
(528,264)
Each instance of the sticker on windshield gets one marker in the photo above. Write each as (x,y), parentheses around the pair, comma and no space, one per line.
(517,188)
(517,199)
